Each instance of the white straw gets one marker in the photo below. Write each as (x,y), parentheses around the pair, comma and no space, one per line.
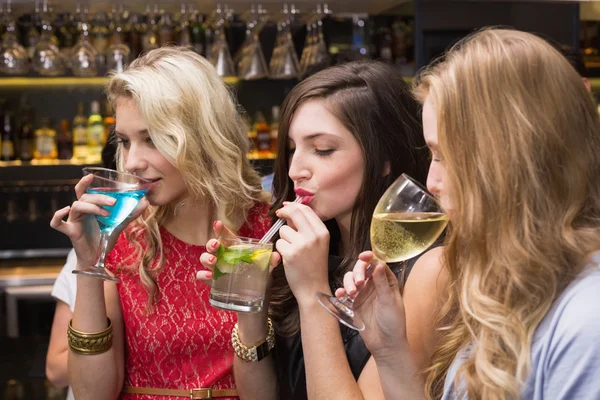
(276,226)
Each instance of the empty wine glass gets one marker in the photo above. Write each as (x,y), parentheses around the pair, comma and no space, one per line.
(127,190)
(117,55)
(219,55)
(47,59)
(284,61)
(315,50)
(14,57)
(406,221)
(83,59)
(252,64)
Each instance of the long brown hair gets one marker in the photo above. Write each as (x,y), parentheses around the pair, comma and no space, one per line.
(519,135)
(374,103)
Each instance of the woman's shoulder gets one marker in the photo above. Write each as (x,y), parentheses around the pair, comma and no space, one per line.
(576,311)
(257,222)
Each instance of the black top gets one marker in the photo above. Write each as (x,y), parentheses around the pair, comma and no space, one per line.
(289,359)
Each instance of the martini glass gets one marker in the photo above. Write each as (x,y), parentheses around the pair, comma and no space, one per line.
(406,221)
(127,190)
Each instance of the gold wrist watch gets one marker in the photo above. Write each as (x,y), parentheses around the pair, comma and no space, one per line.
(257,352)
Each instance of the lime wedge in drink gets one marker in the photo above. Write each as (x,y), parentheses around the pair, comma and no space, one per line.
(261,257)
(228,258)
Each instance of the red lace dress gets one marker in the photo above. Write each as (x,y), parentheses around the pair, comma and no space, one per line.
(184,342)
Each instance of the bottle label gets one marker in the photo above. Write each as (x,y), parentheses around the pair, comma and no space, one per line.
(264,141)
(80,153)
(45,146)
(80,135)
(96,135)
(8,149)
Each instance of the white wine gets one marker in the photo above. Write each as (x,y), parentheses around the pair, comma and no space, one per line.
(400,236)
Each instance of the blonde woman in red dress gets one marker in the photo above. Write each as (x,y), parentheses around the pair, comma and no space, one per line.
(177,124)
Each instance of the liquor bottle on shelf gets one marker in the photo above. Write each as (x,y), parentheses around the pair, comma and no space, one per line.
(67,33)
(109,120)
(182,31)
(100,36)
(45,142)
(64,141)
(252,146)
(32,39)
(150,38)
(165,29)
(137,32)
(26,136)
(95,128)
(263,136)
(274,128)
(209,35)
(8,152)
(198,34)
(120,28)
(80,150)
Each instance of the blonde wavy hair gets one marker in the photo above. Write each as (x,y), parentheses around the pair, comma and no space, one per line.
(196,125)
(520,138)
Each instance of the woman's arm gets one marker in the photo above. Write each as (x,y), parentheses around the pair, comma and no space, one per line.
(58,349)
(254,380)
(304,248)
(425,292)
(98,376)
(400,331)
(328,374)
(400,371)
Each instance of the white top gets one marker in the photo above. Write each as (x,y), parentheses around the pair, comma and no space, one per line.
(65,289)
(565,353)
(65,286)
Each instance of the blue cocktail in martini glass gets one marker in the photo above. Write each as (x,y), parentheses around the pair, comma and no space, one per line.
(127,190)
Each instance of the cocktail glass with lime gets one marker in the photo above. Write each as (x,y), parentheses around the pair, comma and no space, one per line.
(240,275)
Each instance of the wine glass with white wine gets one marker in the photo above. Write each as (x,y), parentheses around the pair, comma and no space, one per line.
(406,221)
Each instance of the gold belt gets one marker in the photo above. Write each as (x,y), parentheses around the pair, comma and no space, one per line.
(202,393)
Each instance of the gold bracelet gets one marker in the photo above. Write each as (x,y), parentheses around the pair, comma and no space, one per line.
(90,343)
(254,353)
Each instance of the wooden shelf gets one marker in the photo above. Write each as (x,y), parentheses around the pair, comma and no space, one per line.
(19,163)
(24,82)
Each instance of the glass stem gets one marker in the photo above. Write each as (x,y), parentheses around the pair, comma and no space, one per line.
(104,237)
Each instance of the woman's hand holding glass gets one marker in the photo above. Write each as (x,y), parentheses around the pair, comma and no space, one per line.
(378,303)
(81,225)
(252,326)
(209,258)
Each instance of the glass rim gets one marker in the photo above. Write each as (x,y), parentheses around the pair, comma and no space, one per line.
(424,189)
(93,170)
(244,239)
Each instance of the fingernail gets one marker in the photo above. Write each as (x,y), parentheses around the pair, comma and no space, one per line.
(111,201)
(285,203)
(211,259)
(215,224)
(209,275)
